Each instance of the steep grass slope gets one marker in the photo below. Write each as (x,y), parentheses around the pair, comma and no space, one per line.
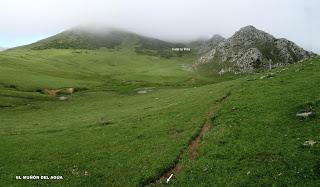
(256,138)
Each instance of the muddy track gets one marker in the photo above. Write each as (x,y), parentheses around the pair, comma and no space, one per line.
(192,149)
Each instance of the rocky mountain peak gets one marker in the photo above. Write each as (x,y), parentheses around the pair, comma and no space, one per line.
(250,49)
(248,28)
(250,33)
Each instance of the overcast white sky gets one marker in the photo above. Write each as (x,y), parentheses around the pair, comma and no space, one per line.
(25,21)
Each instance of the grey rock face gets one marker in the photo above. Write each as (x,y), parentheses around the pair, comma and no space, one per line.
(250,49)
(248,60)
(289,51)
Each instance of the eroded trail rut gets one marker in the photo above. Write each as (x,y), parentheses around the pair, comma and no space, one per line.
(191,150)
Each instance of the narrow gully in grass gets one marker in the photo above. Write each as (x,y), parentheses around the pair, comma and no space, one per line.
(192,148)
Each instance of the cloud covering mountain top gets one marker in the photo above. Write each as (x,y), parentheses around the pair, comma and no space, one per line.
(24,21)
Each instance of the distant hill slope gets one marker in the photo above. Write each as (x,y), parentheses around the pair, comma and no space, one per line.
(2,48)
(84,38)
(250,49)
(79,38)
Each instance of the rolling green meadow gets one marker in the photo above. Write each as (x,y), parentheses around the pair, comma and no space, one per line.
(133,116)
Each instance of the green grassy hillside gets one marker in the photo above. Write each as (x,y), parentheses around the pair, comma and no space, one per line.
(134,115)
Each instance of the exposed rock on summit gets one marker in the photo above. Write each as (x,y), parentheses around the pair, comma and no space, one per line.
(250,49)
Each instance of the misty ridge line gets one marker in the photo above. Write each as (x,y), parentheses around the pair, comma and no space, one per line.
(104,30)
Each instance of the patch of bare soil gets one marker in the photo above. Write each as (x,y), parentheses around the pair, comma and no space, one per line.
(51,92)
(55,92)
